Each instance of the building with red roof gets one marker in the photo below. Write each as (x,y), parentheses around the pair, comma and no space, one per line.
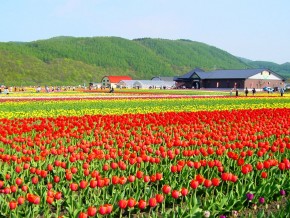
(111,81)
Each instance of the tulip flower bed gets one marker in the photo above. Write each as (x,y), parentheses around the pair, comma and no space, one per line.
(143,164)
(19,108)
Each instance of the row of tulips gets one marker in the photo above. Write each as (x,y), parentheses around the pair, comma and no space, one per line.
(145,164)
(55,108)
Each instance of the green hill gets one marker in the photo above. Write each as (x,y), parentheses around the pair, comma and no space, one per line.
(74,61)
(282,69)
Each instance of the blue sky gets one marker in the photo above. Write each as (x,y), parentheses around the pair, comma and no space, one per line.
(253,29)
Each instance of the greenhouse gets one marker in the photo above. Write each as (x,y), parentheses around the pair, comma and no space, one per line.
(126,84)
(154,84)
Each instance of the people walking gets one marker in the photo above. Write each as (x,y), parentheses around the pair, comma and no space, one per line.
(253,91)
(246,91)
(281,91)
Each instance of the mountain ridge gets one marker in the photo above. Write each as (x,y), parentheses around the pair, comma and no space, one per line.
(67,60)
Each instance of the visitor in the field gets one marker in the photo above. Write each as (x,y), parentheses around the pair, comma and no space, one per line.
(246,91)
(281,91)
(253,91)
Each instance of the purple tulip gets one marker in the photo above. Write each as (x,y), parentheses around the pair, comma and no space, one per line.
(250,196)
(262,200)
(222,216)
(282,192)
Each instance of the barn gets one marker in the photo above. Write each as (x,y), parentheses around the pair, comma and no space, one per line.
(250,78)
(112,81)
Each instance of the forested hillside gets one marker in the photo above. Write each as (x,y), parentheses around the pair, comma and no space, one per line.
(74,61)
(282,69)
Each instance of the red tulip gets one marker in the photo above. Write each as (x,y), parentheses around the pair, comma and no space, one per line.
(49,199)
(173,169)
(200,178)
(34,199)
(131,202)
(49,167)
(63,165)
(184,191)
(282,166)
(101,183)
(86,172)
(93,183)
(146,178)
(264,175)
(197,165)
(175,194)
(24,188)
(131,178)
(43,173)
(159,198)
(95,173)
(86,166)
(74,170)
(102,210)
(56,179)
(122,180)
(49,186)
(153,178)
(34,180)
(7,190)
(259,166)
(83,215)
(13,188)
(166,189)
(114,165)
(142,204)
(74,186)
(57,195)
(106,167)
(122,204)
(158,176)
(20,200)
(18,169)
(68,176)
(91,211)
(207,183)
(83,184)
(12,205)
(215,181)
(234,178)
(109,208)
(139,174)
(194,184)
(152,202)
(115,180)
(26,166)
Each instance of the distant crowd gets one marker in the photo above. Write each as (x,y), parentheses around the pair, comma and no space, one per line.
(7,90)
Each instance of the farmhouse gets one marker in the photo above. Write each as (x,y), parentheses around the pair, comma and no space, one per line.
(112,81)
(250,78)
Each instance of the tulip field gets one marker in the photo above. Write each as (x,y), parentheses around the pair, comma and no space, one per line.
(143,157)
